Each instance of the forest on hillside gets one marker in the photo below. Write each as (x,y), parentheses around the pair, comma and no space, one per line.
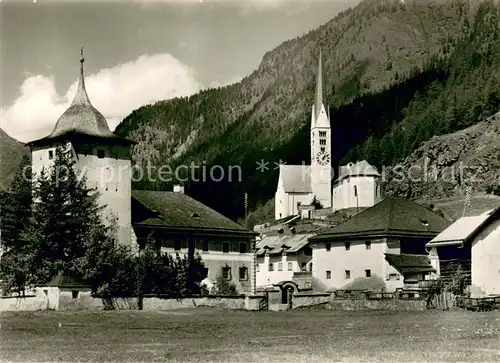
(457,86)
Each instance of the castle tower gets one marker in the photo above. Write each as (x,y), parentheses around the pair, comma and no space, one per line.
(321,149)
(102,156)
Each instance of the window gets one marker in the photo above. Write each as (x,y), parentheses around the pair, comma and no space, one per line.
(243,273)
(204,245)
(328,275)
(101,154)
(322,141)
(177,245)
(347,274)
(322,134)
(51,154)
(290,267)
(280,266)
(226,273)
(368,273)
(368,245)
(257,268)
(271,267)
(74,293)
(243,247)
(347,246)
(225,247)
(328,246)
(392,277)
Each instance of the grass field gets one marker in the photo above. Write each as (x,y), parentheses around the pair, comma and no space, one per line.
(202,335)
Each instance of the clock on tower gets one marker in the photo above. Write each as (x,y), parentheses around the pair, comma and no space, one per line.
(323,158)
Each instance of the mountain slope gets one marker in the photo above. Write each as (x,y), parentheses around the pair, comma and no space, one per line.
(11,154)
(445,165)
(266,115)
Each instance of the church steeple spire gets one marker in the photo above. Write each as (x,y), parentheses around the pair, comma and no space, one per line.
(81,97)
(320,97)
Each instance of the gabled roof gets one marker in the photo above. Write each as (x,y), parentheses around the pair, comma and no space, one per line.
(406,263)
(178,211)
(296,178)
(361,168)
(81,119)
(276,245)
(464,229)
(392,216)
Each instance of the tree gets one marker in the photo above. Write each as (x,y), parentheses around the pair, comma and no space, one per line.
(16,206)
(15,209)
(225,287)
(67,217)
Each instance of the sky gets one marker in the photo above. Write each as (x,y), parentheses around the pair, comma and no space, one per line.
(136,51)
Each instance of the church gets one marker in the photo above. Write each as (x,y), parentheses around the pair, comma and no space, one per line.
(357,184)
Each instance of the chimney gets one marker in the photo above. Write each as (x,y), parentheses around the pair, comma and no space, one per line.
(178,188)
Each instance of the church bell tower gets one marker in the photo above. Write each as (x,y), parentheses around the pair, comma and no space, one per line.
(321,149)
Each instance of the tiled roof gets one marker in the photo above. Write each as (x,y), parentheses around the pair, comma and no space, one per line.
(406,263)
(282,243)
(296,178)
(464,228)
(178,210)
(81,118)
(392,216)
(357,169)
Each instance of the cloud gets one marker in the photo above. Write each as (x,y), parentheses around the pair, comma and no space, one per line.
(216,84)
(115,92)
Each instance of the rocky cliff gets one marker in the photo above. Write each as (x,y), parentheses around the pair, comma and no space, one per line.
(445,166)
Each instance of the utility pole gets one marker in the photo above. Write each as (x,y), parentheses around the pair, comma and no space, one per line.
(246,206)
(468,190)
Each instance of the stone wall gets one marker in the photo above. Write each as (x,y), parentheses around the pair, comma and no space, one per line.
(84,301)
(224,302)
(28,303)
(302,300)
(376,304)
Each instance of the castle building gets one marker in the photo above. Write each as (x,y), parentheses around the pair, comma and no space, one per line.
(102,156)
(177,223)
(357,185)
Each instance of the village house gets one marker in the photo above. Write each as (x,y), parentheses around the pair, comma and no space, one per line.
(352,255)
(473,244)
(284,254)
(283,258)
(181,224)
(416,270)
(178,223)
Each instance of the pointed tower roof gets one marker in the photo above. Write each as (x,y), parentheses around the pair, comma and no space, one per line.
(320,85)
(81,119)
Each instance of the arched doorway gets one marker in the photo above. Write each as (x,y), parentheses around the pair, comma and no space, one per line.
(287,288)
